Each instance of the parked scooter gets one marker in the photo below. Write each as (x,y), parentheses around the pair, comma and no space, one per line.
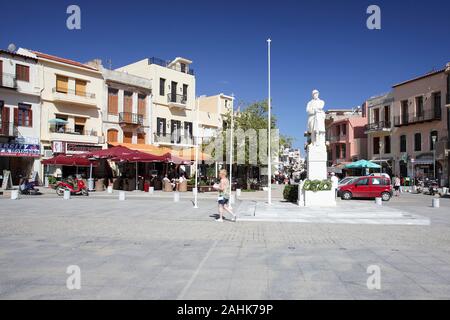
(420,186)
(27,187)
(432,187)
(75,186)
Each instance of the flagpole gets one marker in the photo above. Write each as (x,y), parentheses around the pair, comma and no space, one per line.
(269,155)
(231,146)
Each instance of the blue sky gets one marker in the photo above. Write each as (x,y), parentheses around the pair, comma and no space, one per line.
(315,44)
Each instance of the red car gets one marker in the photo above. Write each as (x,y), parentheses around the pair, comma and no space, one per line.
(367,187)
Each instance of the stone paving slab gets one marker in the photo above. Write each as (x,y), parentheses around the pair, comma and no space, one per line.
(344,213)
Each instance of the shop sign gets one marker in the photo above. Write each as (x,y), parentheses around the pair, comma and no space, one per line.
(76,148)
(58,147)
(20,150)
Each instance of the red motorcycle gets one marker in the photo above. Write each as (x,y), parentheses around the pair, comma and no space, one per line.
(76,187)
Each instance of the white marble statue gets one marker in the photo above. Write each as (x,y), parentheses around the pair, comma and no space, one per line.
(316,119)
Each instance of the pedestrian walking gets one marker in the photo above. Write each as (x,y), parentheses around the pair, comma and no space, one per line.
(397,183)
(334,183)
(224,195)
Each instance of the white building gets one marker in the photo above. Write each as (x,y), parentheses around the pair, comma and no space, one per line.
(20,108)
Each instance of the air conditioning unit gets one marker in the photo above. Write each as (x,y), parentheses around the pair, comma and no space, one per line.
(48,153)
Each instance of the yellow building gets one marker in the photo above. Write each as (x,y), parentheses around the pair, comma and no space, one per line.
(72,96)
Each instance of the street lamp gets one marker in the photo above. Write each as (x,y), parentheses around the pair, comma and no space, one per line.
(269,124)
(433,138)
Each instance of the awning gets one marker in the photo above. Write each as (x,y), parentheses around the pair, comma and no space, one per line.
(186,153)
(423,161)
(121,153)
(69,160)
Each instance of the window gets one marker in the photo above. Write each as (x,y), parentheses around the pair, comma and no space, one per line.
(437,104)
(160,126)
(344,151)
(128,101)
(23,116)
(113,135)
(338,130)
(363,182)
(141,104)
(387,144)
(113,101)
(387,115)
(62,84)
(188,129)
(141,138)
(338,151)
(175,131)
(376,145)
(376,115)
(419,107)
(183,67)
(80,124)
(376,181)
(344,129)
(80,88)
(185,91)
(60,126)
(22,73)
(128,137)
(433,134)
(417,142)
(1,73)
(403,143)
(162,86)
(404,106)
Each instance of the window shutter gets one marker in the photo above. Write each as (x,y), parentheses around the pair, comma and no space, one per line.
(1,73)
(62,84)
(16,117)
(27,73)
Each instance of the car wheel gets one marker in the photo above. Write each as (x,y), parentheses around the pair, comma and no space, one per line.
(385,196)
(346,195)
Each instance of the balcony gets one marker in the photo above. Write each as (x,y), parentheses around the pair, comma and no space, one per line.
(166,64)
(131,118)
(412,118)
(63,133)
(8,129)
(378,126)
(75,97)
(8,81)
(171,139)
(337,138)
(177,100)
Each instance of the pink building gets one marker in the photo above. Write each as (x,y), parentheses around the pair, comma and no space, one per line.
(421,127)
(346,139)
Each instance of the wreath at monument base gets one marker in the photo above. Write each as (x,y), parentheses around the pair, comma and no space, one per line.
(317,185)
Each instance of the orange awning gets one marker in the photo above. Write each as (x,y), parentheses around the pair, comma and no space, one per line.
(185,153)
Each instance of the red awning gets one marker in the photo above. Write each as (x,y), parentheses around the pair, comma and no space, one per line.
(168,157)
(120,153)
(69,160)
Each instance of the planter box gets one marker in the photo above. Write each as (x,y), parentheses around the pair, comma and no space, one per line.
(318,199)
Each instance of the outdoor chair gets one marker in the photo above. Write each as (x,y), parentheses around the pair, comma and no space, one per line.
(167,186)
(182,187)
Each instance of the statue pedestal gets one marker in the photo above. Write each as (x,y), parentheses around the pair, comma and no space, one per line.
(317,162)
(317,170)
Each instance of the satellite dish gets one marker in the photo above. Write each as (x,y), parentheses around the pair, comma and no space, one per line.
(12,47)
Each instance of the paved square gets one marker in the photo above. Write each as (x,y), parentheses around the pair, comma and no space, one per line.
(152,248)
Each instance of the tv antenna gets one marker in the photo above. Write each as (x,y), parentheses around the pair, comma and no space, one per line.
(11,47)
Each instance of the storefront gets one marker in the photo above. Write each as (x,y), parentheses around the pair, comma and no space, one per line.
(20,159)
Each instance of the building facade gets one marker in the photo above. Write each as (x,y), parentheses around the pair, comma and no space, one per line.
(72,98)
(346,138)
(126,111)
(19,116)
(173,103)
(212,113)
(421,127)
(379,128)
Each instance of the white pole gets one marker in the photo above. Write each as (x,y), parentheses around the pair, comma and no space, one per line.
(231,148)
(90,171)
(196,137)
(269,153)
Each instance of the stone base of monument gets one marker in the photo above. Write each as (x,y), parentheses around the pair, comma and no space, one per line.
(317,199)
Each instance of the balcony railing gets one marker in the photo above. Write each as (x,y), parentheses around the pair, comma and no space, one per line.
(166,64)
(131,118)
(378,126)
(174,139)
(8,81)
(75,93)
(65,130)
(176,98)
(7,129)
(412,118)
(337,138)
